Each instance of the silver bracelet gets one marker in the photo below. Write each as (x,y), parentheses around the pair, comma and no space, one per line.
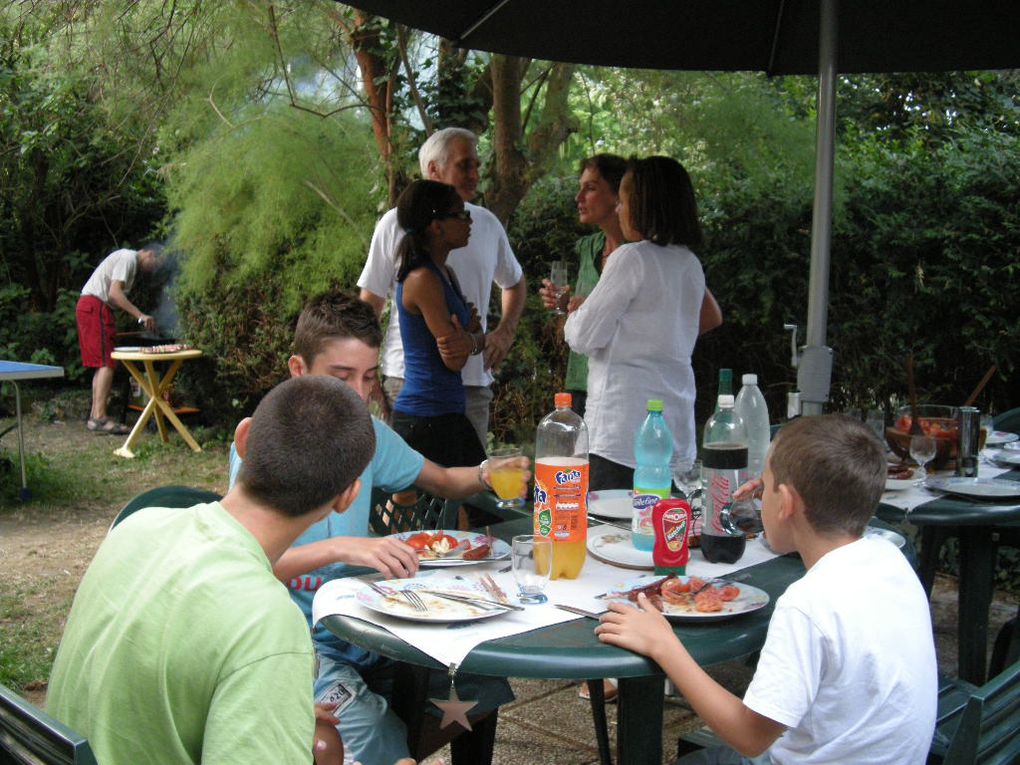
(481,478)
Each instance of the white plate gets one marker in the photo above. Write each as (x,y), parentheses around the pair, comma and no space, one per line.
(440,609)
(611,503)
(898,484)
(500,549)
(612,545)
(892,536)
(1012,446)
(997,437)
(750,599)
(983,488)
(128,348)
(1004,457)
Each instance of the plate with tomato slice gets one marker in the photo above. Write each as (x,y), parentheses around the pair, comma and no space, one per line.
(454,548)
(692,598)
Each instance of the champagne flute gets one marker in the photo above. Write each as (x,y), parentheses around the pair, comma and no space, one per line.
(558,277)
(922,450)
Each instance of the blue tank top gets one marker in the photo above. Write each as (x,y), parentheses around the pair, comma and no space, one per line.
(430,388)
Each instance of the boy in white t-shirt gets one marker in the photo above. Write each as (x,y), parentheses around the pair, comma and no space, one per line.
(848,671)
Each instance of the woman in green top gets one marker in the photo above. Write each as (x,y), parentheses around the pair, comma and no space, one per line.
(597,197)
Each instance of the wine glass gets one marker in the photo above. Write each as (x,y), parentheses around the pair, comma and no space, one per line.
(531,558)
(506,474)
(688,480)
(922,450)
(558,277)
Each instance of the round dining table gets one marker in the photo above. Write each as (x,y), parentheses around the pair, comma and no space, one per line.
(571,651)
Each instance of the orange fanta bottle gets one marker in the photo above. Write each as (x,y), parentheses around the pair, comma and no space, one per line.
(561,487)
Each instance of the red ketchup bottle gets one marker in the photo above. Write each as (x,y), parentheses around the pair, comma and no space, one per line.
(671,519)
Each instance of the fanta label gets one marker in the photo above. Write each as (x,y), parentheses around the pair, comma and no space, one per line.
(561,499)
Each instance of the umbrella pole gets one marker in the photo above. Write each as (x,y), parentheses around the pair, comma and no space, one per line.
(814,373)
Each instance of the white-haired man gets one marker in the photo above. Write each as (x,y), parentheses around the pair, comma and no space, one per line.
(451,156)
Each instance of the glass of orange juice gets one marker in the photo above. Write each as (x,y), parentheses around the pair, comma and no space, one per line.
(506,473)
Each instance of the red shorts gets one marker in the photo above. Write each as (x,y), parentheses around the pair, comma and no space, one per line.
(96,332)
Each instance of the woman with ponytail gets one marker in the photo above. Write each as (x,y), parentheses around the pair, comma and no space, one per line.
(440,330)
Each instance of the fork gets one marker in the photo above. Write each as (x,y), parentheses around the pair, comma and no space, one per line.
(415,600)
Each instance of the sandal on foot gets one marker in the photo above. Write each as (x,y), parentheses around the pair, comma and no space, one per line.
(609,691)
(107,427)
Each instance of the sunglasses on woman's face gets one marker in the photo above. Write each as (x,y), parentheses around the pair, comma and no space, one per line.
(459,215)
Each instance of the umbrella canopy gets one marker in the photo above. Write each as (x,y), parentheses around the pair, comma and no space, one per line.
(773,36)
(778,37)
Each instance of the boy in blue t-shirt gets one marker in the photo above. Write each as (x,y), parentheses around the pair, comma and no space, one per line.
(339,335)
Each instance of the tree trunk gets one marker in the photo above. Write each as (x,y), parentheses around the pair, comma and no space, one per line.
(377,78)
(513,170)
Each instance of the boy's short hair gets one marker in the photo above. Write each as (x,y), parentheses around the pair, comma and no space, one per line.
(334,316)
(310,438)
(837,465)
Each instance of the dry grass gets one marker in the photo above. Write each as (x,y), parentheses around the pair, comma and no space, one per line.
(78,486)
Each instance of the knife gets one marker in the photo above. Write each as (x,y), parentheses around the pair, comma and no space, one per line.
(578,611)
(471,599)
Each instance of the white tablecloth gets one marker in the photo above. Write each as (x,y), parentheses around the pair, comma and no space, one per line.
(450,643)
(908,499)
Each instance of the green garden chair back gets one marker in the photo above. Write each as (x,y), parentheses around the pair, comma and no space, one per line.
(987,729)
(427,513)
(166,496)
(29,736)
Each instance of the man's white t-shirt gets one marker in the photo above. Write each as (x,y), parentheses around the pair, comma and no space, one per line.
(487,258)
(119,266)
(849,662)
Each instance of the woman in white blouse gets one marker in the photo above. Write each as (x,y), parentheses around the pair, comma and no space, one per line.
(639,325)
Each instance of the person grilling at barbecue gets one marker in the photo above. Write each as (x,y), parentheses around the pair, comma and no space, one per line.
(105,290)
(339,335)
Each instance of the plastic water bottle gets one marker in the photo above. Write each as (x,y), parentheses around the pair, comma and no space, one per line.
(561,487)
(653,449)
(750,405)
(724,467)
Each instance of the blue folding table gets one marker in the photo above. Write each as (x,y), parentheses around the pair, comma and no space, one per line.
(12,371)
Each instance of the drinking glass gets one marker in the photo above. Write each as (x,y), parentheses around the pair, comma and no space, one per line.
(506,473)
(558,277)
(876,421)
(986,427)
(531,557)
(922,450)
(688,480)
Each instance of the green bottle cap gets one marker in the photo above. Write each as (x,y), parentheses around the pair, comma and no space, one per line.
(654,405)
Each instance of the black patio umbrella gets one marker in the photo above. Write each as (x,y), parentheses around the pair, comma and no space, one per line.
(778,37)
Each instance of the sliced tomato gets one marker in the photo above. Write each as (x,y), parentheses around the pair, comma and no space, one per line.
(729,592)
(438,538)
(419,541)
(708,601)
(676,591)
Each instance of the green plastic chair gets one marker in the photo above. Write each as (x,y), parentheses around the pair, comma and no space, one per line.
(986,730)
(428,513)
(29,735)
(166,496)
